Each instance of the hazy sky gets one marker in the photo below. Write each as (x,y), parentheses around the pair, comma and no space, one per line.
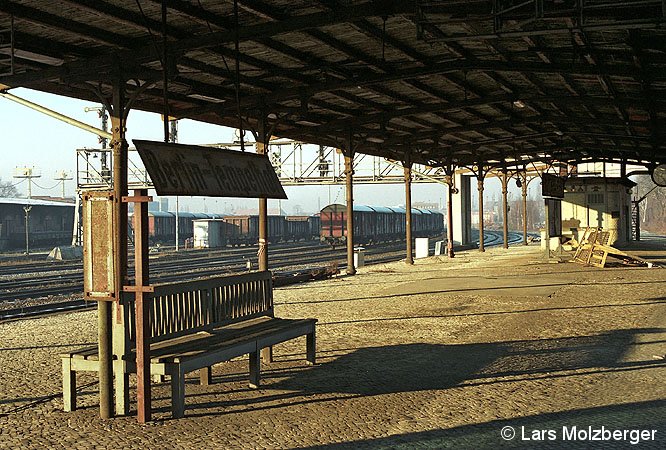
(30,138)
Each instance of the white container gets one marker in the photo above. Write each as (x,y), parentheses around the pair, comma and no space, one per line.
(359,257)
(209,233)
(440,248)
(422,245)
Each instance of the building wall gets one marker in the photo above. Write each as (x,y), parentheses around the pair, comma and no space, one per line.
(598,202)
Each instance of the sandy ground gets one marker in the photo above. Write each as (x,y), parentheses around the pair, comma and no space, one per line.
(442,354)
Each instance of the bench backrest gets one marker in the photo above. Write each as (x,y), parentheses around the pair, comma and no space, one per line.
(186,307)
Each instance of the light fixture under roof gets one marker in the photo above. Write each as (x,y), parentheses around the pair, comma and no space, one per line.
(519,104)
(206,98)
(32,56)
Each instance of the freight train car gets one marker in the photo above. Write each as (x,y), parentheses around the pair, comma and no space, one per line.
(50,223)
(376,224)
(248,229)
(243,230)
(297,228)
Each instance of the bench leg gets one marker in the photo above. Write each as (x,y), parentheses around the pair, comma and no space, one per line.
(122,393)
(255,369)
(267,354)
(178,393)
(310,347)
(158,379)
(206,376)
(68,386)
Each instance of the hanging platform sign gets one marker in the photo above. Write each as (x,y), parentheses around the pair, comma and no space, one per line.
(178,169)
(552,186)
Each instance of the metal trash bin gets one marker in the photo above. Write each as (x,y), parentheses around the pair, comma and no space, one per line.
(359,257)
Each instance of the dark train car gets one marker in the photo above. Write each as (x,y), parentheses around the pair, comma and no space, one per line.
(247,229)
(297,228)
(185,225)
(49,223)
(161,226)
(376,224)
(314,226)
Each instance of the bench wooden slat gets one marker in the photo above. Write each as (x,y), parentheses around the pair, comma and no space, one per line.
(196,324)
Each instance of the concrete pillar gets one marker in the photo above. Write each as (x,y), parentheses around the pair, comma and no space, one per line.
(262,253)
(479,187)
(408,211)
(505,207)
(462,211)
(349,177)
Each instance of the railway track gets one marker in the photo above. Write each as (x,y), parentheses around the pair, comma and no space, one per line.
(282,257)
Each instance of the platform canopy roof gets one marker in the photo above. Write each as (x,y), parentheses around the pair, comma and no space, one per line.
(450,81)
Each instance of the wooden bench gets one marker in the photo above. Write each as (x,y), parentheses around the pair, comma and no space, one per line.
(195,325)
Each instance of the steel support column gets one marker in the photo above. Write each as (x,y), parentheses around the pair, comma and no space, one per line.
(450,180)
(349,176)
(479,186)
(262,146)
(408,209)
(524,195)
(505,207)
(119,148)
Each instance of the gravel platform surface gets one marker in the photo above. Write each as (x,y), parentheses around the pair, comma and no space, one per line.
(442,354)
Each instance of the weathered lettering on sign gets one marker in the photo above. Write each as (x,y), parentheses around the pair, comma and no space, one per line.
(178,169)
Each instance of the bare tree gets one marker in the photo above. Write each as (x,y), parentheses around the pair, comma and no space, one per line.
(7,189)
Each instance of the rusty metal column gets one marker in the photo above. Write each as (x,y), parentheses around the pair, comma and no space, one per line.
(408,209)
(505,207)
(524,194)
(479,186)
(262,253)
(349,177)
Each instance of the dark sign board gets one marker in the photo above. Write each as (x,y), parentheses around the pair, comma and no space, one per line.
(178,169)
(552,186)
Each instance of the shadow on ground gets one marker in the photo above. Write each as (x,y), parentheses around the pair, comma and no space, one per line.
(632,416)
(424,367)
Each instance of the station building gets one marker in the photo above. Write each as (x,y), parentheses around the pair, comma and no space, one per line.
(598,202)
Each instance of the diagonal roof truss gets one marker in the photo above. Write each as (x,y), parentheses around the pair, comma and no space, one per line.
(450,81)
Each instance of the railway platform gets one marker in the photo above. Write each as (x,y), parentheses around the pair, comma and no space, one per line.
(445,353)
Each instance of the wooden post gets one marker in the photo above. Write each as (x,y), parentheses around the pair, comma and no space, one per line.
(505,207)
(479,185)
(408,209)
(349,173)
(142,304)
(262,253)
